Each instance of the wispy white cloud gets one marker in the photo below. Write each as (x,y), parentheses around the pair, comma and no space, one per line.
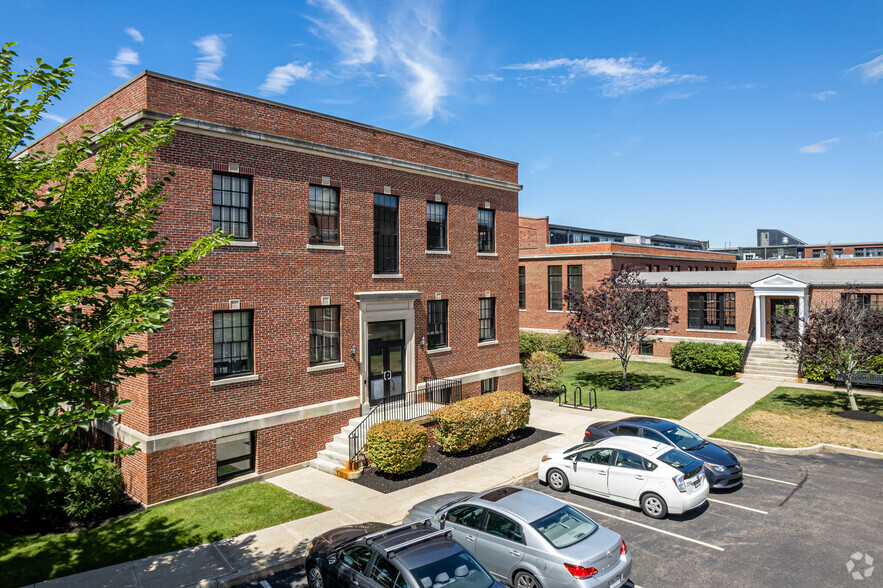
(676,96)
(872,70)
(538,166)
(618,76)
(350,33)
(746,86)
(628,145)
(489,77)
(282,77)
(53,117)
(824,96)
(119,65)
(820,147)
(212,51)
(135,34)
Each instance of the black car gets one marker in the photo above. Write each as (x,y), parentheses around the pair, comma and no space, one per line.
(722,468)
(375,555)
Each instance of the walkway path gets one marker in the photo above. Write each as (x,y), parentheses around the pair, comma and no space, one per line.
(708,419)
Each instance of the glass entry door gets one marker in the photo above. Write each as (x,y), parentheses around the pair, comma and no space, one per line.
(780,312)
(386,361)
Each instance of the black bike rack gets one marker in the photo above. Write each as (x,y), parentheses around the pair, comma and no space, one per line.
(578,398)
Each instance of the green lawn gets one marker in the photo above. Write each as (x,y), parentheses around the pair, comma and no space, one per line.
(800,417)
(32,558)
(665,392)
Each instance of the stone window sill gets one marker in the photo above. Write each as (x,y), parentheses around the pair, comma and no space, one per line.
(429,252)
(241,244)
(235,380)
(488,343)
(325,247)
(556,311)
(438,350)
(522,310)
(724,331)
(326,366)
(480,254)
(387,276)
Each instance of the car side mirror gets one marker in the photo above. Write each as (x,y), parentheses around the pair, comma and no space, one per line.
(332,560)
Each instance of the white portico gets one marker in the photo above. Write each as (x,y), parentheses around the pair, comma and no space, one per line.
(783,290)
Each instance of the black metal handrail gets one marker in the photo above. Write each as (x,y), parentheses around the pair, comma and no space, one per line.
(578,398)
(405,407)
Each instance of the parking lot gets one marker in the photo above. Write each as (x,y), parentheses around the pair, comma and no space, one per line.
(796,521)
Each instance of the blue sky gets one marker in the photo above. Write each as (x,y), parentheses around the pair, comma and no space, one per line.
(697,119)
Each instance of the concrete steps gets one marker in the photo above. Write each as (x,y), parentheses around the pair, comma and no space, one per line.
(334,459)
(770,360)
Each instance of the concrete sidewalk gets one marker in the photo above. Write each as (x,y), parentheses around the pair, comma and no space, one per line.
(240,559)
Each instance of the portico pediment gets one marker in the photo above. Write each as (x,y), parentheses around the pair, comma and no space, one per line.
(779,282)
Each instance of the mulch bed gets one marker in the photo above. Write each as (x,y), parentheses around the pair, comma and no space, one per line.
(41,524)
(860,415)
(437,464)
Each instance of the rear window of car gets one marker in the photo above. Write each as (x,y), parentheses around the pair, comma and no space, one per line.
(565,527)
(678,460)
(457,571)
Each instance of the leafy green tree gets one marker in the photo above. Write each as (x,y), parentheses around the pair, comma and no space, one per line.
(82,273)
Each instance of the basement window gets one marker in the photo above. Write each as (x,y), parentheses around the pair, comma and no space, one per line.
(235,455)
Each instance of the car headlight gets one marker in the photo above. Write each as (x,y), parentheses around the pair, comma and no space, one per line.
(716,468)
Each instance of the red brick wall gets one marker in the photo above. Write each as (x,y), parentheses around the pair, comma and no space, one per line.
(292,443)
(181,470)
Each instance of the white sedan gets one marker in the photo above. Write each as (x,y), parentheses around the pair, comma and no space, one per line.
(632,470)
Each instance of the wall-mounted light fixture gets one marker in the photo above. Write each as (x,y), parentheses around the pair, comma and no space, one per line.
(422,341)
(354,350)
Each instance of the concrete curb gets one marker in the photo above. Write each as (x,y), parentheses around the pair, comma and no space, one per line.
(812,450)
(253,573)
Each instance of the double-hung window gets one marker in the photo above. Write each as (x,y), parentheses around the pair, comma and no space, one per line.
(485,230)
(711,310)
(522,288)
(386,234)
(867,300)
(436,226)
(324,215)
(324,334)
(487,319)
(232,338)
(436,324)
(231,205)
(555,294)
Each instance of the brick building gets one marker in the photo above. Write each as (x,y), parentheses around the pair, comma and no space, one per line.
(364,263)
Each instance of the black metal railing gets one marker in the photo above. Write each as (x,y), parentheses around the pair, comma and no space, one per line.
(577,400)
(406,407)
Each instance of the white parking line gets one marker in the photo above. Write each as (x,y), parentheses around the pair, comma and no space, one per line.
(601,512)
(738,506)
(769,479)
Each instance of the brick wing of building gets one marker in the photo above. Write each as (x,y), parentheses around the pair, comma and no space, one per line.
(364,263)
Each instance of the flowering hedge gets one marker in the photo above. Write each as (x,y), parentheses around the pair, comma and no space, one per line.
(476,421)
(397,447)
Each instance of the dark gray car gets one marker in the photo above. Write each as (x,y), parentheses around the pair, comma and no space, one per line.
(530,539)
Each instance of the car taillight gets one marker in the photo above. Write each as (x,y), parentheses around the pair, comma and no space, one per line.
(588,432)
(545,458)
(579,572)
(679,482)
(623,551)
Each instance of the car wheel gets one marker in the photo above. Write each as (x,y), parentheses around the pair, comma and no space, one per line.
(557,481)
(526,580)
(654,506)
(314,577)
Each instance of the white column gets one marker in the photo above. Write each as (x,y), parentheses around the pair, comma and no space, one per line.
(801,312)
(758,317)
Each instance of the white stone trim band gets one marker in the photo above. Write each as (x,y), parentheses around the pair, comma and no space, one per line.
(482,375)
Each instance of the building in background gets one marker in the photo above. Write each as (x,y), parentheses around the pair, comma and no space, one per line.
(777,245)
(365,263)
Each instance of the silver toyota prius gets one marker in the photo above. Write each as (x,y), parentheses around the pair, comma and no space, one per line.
(530,539)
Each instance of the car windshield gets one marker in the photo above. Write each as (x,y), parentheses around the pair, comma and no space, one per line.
(582,446)
(459,570)
(565,527)
(676,459)
(683,438)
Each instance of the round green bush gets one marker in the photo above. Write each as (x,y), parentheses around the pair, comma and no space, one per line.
(543,372)
(707,358)
(475,421)
(397,447)
(89,493)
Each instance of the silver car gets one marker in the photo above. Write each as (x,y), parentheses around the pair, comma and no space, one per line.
(530,539)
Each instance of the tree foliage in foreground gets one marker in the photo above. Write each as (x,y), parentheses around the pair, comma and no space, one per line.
(82,272)
(844,338)
(619,314)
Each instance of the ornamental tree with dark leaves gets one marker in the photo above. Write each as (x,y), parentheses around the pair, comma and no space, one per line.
(843,338)
(619,314)
(83,273)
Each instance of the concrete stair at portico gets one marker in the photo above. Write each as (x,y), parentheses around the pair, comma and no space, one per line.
(769,359)
(335,456)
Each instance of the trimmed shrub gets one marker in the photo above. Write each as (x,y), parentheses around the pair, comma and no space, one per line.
(475,421)
(817,373)
(561,344)
(707,358)
(542,373)
(875,366)
(91,493)
(397,447)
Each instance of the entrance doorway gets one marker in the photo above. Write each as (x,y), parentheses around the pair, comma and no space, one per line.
(386,361)
(781,310)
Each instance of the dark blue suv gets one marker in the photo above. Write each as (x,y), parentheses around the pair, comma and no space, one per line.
(375,555)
